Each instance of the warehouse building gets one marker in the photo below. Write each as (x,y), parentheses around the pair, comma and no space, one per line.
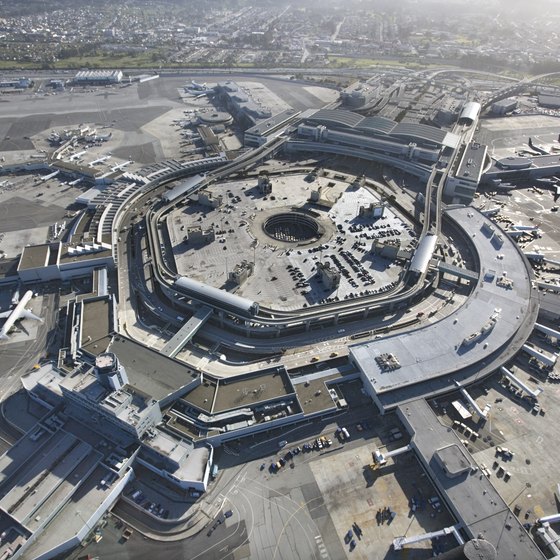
(98,77)
(503,106)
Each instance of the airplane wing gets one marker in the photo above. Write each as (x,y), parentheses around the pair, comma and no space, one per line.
(5,314)
(28,315)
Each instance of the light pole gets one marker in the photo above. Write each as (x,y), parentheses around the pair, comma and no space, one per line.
(79,514)
(527,486)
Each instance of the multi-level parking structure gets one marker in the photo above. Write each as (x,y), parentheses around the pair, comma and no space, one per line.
(250,321)
(258,320)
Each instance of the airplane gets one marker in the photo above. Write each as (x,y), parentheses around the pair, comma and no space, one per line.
(99,160)
(77,155)
(50,176)
(199,90)
(99,137)
(120,166)
(19,312)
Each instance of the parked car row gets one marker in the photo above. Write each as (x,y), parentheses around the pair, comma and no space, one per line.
(155,509)
(315,445)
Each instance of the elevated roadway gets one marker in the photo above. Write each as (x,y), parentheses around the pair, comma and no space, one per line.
(274,321)
(273,324)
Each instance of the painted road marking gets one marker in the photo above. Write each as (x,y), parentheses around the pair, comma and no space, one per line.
(321,546)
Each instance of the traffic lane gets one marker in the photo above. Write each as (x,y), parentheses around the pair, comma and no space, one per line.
(224,541)
(278,522)
(223,538)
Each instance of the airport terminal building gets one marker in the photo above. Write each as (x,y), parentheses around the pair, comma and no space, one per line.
(414,148)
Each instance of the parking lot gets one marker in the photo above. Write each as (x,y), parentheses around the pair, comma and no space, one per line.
(290,270)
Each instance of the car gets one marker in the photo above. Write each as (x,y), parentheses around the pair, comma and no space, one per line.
(282,443)
(348,536)
(315,359)
(359,427)
(507,454)
(352,544)
(228,513)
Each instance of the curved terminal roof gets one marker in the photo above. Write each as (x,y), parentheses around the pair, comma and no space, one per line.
(336,117)
(377,124)
(213,296)
(433,356)
(421,133)
(423,254)
(414,131)
(470,111)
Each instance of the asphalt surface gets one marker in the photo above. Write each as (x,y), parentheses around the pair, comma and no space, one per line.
(275,516)
(18,213)
(18,358)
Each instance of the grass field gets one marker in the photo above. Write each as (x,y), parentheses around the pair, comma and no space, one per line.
(348,62)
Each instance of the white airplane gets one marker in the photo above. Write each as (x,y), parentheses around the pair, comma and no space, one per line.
(77,155)
(99,160)
(19,312)
(99,137)
(198,90)
(120,166)
(50,176)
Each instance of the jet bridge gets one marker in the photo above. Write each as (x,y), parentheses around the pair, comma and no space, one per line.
(520,383)
(548,361)
(400,542)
